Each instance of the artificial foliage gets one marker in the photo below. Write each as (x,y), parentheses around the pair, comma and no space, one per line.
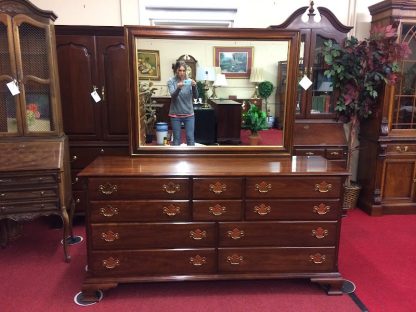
(254,119)
(359,71)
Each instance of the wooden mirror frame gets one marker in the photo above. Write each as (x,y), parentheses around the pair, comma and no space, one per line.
(136,110)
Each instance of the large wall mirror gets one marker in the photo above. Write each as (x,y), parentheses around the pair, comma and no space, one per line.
(230,66)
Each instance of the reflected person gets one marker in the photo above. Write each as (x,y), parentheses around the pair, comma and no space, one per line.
(182,91)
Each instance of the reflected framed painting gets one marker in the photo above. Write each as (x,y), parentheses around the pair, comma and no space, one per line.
(235,62)
(148,64)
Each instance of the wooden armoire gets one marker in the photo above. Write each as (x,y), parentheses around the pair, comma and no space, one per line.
(387,162)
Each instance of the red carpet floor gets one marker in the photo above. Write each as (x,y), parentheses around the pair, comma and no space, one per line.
(34,277)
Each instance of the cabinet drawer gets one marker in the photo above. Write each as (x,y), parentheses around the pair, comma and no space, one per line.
(283,234)
(401,149)
(276,260)
(80,157)
(293,187)
(135,188)
(30,194)
(152,235)
(27,207)
(139,211)
(204,210)
(152,262)
(335,153)
(309,152)
(328,209)
(32,179)
(209,188)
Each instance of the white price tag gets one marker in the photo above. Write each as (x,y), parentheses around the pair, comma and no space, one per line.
(305,83)
(13,87)
(95,96)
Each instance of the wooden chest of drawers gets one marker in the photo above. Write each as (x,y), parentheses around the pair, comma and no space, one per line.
(199,219)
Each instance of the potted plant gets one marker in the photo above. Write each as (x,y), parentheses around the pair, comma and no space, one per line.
(146,91)
(359,70)
(255,120)
(265,90)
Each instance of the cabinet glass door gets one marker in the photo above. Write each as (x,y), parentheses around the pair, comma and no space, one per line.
(34,71)
(8,103)
(322,99)
(404,105)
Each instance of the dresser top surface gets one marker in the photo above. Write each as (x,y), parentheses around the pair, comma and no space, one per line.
(211,166)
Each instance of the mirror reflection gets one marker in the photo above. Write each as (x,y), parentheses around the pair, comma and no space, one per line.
(234,91)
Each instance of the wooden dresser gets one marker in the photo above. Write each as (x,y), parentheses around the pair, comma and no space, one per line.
(212,218)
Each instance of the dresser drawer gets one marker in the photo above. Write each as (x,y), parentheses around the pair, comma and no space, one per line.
(152,262)
(209,188)
(138,188)
(276,260)
(293,209)
(152,235)
(278,233)
(219,210)
(139,211)
(293,187)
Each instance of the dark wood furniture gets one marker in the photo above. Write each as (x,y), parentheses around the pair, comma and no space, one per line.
(212,218)
(316,104)
(34,181)
(34,165)
(92,58)
(228,116)
(387,162)
(205,125)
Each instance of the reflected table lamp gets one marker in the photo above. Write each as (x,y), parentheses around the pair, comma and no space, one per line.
(220,81)
(256,76)
(206,74)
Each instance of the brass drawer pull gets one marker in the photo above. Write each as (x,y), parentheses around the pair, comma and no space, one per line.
(217,210)
(309,153)
(319,233)
(402,149)
(171,210)
(171,188)
(111,263)
(108,211)
(108,188)
(321,209)
(198,234)
(323,187)
(110,236)
(262,210)
(263,187)
(198,260)
(6,180)
(334,153)
(317,258)
(217,187)
(235,234)
(75,181)
(3,195)
(235,259)
(74,158)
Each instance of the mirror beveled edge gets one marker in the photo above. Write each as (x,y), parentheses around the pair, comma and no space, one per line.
(136,110)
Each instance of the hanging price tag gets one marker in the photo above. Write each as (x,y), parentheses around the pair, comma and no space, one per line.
(96,96)
(305,82)
(13,87)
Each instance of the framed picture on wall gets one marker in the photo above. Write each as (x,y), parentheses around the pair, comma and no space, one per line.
(235,62)
(148,64)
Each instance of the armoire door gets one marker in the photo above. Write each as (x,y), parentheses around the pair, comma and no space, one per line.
(113,84)
(78,78)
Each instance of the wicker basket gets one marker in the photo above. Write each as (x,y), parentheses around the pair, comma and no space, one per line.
(351,193)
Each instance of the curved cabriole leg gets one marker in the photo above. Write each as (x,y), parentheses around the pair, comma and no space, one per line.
(333,286)
(66,229)
(92,293)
